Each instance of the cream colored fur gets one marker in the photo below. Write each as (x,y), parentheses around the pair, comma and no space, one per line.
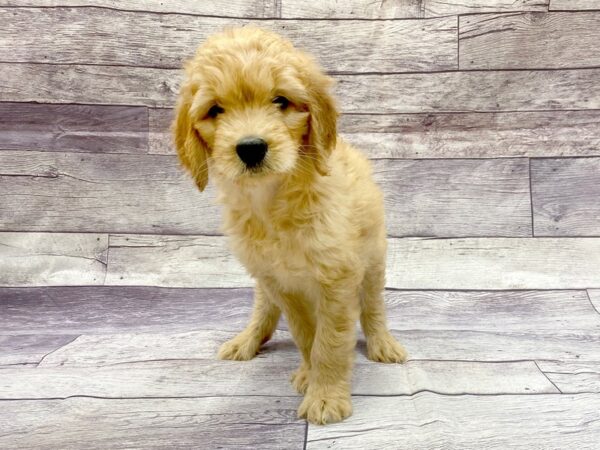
(308,224)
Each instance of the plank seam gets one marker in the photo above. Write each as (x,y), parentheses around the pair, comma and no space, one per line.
(531,199)
(56,349)
(546,376)
(587,293)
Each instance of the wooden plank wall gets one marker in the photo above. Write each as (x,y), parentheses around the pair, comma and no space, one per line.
(482,118)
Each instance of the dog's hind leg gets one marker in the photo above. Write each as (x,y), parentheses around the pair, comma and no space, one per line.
(381,345)
(265,315)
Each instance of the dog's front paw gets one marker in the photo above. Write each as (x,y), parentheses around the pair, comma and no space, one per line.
(240,348)
(300,378)
(384,348)
(321,406)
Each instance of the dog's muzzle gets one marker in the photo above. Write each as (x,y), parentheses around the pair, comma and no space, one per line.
(251,150)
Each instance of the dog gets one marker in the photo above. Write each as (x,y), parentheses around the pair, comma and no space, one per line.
(301,209)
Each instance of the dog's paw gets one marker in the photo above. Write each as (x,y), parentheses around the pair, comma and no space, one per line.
(240,348)
(323,406)
(300,379)
(384,348)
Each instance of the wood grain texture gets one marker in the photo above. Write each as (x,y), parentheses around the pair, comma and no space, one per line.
(566,195)
(574,5)
(573,376)
(530,40)
(233,8)
(24,349)
(257,377)
(447,135)
(472,135)
(404,8)
(79,128)
(121,309)
(413,263)
(497,263)
(455,197)
(594,295)
(435,8)
(427,420)
(353,9)
(178,261)
(144,41)
(413,93)
(102,193)
(33,259)
(227,422)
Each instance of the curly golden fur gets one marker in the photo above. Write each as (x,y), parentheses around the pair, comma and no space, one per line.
(306,221)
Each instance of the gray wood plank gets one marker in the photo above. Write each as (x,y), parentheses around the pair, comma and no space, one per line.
(412,93)
(473,135)
(33,259)
(435,8)
(150,194)
(366,9)
(233,8)
(494,263)
(448,135)
(142,40)
(178,261)
(102,193)
(24,349)
(456,197)
(594,296)
(427,420)
(110,309)
(566,195)
(573,376)
(79,128)
(413,263)
(209,422)
(574,5)
(530,40)
(257,377)
(353,9)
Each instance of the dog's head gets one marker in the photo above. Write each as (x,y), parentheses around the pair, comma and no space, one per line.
(253,106)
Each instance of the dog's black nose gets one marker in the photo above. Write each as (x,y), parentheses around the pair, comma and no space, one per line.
(251,150)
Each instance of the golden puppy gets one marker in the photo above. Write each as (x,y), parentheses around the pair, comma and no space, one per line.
(301,209)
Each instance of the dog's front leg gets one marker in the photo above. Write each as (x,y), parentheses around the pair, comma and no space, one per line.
(265,315)
(327,399)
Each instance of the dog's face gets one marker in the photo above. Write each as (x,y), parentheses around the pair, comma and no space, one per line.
(251,107)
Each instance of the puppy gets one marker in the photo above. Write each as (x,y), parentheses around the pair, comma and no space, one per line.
(300,207)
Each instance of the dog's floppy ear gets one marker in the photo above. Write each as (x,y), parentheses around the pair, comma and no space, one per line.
(191,149)
(322,119)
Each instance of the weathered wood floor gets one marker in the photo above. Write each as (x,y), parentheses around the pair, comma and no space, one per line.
(482,118)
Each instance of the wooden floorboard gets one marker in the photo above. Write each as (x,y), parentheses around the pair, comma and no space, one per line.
(117,193)
(77,128)
(428,420)
(447,135)
(209,422)
(529,40)
(574,5)
(102,193)
(233,8)
(413,263)
(30,259)
(198,378)
(566,196)
(144,41)
(25,349)
(521,90)
(573,376)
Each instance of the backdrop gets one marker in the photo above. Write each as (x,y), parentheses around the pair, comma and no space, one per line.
(482,119)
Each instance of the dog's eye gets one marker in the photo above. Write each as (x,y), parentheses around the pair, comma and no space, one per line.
(214,111)
(282,102)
